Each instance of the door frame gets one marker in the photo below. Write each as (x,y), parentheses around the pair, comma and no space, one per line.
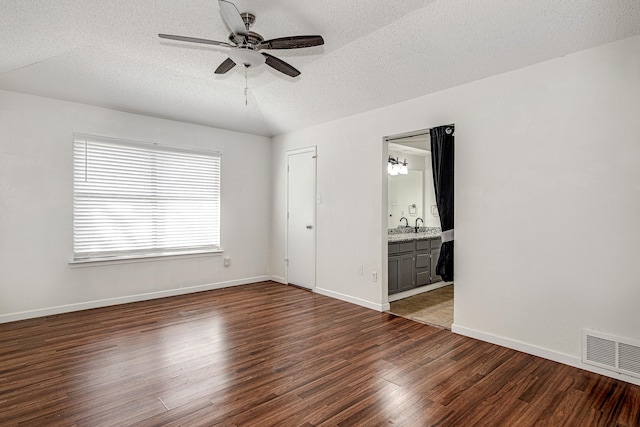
(312,149)
(384,298)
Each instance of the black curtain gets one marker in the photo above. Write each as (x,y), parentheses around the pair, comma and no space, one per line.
(442,150)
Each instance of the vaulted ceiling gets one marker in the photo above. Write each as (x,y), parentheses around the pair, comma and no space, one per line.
(376,53)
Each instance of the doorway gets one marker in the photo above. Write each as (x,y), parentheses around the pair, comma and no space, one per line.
(301,217)
(414,238)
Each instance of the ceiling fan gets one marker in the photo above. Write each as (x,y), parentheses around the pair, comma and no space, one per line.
(246,45)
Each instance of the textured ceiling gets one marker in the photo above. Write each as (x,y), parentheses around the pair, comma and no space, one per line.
(376,53)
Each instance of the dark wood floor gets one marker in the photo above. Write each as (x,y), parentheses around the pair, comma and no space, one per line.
(269,354)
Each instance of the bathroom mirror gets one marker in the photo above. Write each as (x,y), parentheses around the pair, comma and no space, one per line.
(406,198)
(412,195)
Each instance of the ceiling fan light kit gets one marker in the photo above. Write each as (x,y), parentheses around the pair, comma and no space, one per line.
(247,57)
(245,45)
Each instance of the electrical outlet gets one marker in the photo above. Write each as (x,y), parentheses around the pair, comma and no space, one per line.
(374,276)
(227,261)
(360,270)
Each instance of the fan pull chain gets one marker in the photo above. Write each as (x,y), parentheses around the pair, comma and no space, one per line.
(246,86)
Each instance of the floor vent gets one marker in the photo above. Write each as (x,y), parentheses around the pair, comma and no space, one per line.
(613,353)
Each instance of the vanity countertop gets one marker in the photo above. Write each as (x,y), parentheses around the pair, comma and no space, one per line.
(406,237)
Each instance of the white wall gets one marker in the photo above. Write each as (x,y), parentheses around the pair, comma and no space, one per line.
(36,201)
(547,199)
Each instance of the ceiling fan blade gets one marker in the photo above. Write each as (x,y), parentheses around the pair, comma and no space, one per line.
(280,65)
(295,42)
(194,40)
(232,17)
(226,65)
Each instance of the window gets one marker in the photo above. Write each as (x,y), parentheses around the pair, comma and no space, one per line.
(135,199)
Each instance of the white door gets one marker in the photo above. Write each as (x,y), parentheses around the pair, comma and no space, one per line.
(301,215)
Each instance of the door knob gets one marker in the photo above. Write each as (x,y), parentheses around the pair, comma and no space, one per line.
(309,227)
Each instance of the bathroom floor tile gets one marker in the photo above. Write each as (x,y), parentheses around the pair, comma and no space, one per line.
(433,307)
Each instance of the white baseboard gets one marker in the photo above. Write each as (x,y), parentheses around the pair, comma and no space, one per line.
(12,317)
(352,300)
(545,353)
(279,279)
(418,291)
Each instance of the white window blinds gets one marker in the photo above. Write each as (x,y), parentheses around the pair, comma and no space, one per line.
(135,199)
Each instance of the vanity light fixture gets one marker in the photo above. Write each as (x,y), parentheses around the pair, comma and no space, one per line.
(396,167)
(392,166)
(404,169)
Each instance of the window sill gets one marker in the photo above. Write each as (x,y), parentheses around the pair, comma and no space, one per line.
(91,262)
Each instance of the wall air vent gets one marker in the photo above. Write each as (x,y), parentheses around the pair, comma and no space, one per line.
(601,351)
(629,359)
(613,353)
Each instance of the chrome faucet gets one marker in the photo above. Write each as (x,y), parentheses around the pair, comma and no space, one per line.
(418,219)
(406,221)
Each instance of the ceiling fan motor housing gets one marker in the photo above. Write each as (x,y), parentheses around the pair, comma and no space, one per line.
(251,39)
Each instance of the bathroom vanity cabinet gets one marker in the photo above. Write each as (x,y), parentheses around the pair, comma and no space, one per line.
(413,263)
